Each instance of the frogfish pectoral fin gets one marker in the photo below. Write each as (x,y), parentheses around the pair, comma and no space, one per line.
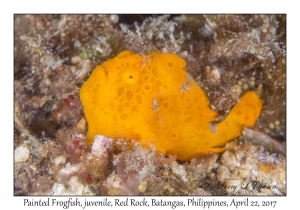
(217,149)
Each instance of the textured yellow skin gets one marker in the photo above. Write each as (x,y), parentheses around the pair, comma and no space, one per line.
(151,98)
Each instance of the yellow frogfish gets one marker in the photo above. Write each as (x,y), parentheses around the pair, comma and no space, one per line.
(152,99)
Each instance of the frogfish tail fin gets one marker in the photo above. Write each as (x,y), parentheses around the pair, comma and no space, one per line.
(243,114)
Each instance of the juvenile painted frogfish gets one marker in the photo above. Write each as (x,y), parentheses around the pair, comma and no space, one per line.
(151,98)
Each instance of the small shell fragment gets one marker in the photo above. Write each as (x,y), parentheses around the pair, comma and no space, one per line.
(60,160)
(22,153)
(143,186)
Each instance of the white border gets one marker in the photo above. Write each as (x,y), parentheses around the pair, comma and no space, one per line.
(8,8)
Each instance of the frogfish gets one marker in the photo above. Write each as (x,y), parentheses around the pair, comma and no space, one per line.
(150,98)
